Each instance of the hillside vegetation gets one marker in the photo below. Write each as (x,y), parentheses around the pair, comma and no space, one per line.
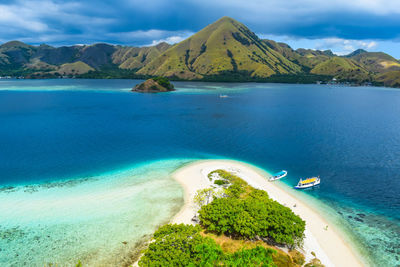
(225,50)
(224,46)
(344,69)
(391,79)
(376,62)
(77,67)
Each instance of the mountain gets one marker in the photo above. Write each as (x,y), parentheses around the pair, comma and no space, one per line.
(15,53)
(390,79)
(376,62)
(343,69)
(356,52)
(225,46)
(225,50)
(137,57)
(306,58)
(154,85)
(71,60)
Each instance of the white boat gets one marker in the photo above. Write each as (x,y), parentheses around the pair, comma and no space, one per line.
(223,96)
(278,175)
(307,183)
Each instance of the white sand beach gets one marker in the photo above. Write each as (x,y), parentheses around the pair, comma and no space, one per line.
(327,244)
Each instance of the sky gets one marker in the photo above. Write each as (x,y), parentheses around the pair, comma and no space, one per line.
(339,25)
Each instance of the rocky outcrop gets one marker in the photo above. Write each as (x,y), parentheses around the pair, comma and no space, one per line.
(153,86)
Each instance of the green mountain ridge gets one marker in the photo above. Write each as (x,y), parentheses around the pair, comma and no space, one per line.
(377,62)
(222,51)
(224,46)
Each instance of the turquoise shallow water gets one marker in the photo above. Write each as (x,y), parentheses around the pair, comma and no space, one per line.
(100,220)
(66,130)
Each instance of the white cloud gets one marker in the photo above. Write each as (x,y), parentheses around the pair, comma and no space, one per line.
(32,16)
(156,36)
(338,46)
(289,7)
(170,40)
(22,17)
(344,46)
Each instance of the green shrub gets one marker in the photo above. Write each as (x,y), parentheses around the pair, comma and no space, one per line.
(183,245)
(238,186)
(180,245)
(297,257)
(258,256)
(235,190)
(252,215)
(220,182)
(163,81)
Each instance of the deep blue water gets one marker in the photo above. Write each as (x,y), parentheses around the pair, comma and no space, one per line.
(350,136)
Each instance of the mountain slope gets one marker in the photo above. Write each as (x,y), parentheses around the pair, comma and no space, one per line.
(224,46)
(306,58)
(376,62)
(75,68)
(16,55)
(137,57)
(391,78)
(343,69)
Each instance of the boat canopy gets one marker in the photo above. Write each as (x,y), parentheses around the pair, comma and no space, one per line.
(309,180)
(280,173)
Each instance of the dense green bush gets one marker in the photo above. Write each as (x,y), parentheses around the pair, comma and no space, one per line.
(179,245)
(183,245)
(252,214)
(257,256)
(235,190)
(163,81)
(220,182)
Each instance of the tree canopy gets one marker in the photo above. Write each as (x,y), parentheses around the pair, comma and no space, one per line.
(164,81)
(249,213)
(183,245)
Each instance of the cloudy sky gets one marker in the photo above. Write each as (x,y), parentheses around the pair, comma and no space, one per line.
(339,25)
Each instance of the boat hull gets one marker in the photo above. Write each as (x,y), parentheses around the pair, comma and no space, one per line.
(308,185)
(274,178)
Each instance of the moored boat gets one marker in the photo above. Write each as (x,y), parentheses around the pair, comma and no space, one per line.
(307,183)
(278,175)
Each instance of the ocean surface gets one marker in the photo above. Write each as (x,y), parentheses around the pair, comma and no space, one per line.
(85,165)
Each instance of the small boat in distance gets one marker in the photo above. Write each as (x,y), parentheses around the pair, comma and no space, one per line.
(278,175)
(223,96)
(307,183)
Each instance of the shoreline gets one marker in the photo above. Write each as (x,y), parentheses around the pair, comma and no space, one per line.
(328,245)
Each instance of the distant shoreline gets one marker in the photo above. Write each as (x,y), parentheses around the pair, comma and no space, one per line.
(214,81)
(328,245)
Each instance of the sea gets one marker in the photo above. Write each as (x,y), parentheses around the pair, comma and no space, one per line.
(86,165)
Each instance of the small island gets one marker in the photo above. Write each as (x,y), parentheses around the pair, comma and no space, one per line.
(154,85)
(233,216)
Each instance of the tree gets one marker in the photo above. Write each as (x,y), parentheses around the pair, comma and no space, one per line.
(164,81)
(258,256)
(183,245)
(180,245)
(252,214)
(204,196)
